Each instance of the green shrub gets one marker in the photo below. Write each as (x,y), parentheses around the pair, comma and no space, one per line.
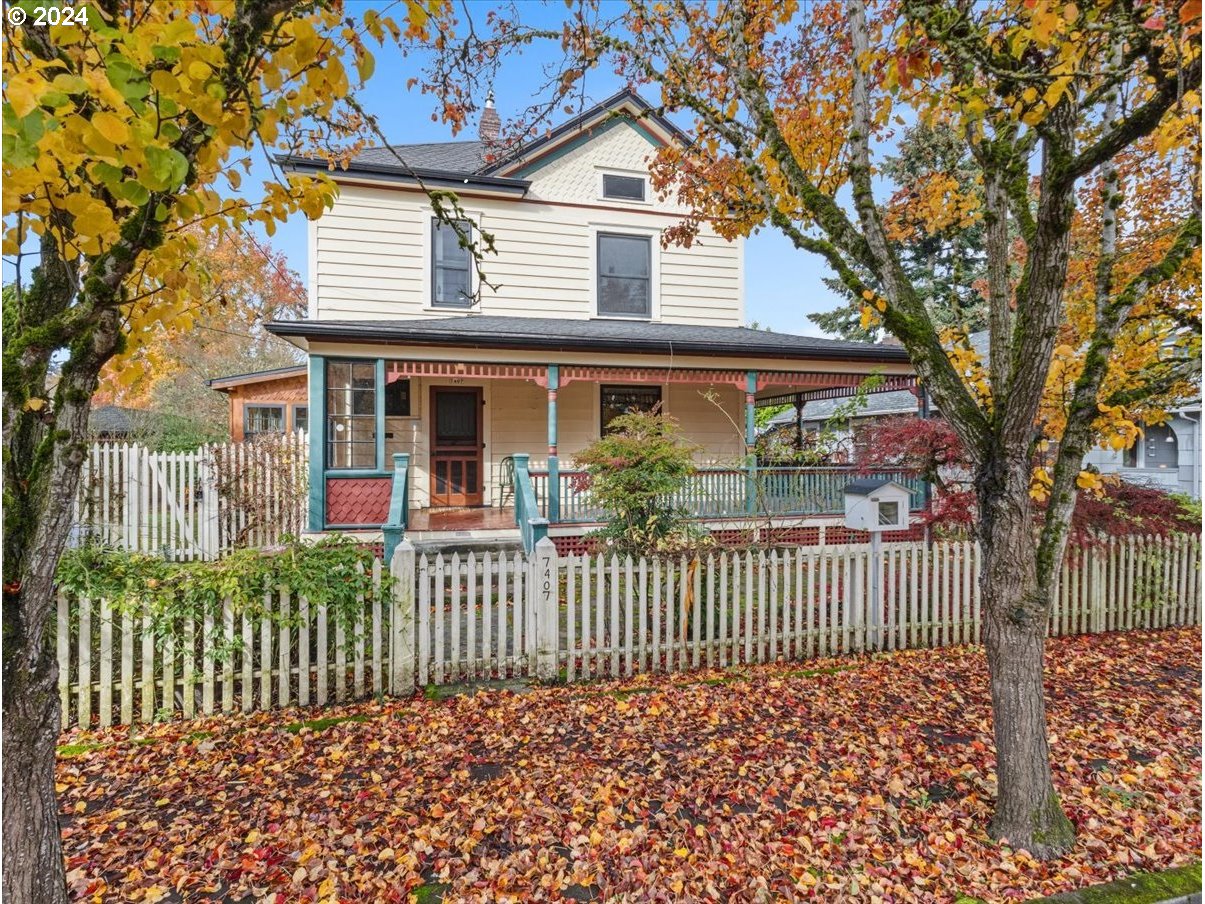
(634,473)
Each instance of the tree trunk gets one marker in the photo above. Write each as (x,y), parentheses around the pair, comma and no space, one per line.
(1028,813)
(33,862)
(45,450)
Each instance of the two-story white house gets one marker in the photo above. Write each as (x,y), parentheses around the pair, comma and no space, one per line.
(486,388)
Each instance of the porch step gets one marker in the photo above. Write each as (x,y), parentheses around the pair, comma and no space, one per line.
(465,541)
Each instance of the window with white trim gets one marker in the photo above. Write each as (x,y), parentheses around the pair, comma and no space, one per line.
(623,188)
(451,264)
(625,275)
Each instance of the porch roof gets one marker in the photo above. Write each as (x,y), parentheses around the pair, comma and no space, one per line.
(549,333)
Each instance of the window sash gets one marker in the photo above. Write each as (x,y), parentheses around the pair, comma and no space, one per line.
(259,419)
(398,399)
(451,266)
(619,281)
(351,416)
(623,188)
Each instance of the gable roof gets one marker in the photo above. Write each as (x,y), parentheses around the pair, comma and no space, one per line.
(489,331)
(473,163)
(868,485)
(878,404)
(114,420)
(225,384)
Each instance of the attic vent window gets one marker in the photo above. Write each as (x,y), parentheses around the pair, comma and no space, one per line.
(623,188)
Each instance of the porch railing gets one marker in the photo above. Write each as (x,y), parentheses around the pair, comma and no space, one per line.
(399,504)
(529,515)
(725,492)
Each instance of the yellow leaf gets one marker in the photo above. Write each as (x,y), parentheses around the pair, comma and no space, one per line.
(23,91)
(111,127)
(681,852)
(35,404)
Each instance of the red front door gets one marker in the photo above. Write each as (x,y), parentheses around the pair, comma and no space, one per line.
(456,447)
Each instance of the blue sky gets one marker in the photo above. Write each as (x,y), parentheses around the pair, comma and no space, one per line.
(782,285)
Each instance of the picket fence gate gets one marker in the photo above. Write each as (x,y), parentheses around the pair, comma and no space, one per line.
(187,506)
(449,619)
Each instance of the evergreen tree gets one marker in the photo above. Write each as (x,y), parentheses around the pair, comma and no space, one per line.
(943,255)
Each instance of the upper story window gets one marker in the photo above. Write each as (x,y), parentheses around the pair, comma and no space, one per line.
(625,275)
(351,414)
(263,419)
(451,265)
(623,188)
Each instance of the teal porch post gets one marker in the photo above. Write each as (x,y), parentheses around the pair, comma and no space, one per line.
(380,414)
(317,515)
(750,443)
(554,464)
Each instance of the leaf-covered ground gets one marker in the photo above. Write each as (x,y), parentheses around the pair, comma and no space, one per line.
(861,779)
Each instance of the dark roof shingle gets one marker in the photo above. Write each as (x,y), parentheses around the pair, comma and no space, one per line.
(491,331)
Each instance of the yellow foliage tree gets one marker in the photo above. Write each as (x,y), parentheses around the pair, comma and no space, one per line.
(127,132)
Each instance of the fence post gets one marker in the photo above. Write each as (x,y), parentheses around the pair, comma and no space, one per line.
(209,534)
(402,621)
(544,592)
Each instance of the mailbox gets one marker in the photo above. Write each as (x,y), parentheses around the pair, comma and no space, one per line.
(876,505)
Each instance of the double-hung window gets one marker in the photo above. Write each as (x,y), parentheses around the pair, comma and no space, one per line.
(351,420)
(451,264)
(625,266)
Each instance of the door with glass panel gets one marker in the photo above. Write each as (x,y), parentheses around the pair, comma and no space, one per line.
(456,447)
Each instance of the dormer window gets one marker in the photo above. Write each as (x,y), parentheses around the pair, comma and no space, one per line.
(623,188)
(451,265)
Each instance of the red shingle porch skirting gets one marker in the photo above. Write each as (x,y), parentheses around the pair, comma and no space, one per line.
(358,500)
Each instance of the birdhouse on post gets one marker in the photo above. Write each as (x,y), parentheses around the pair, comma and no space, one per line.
(876,505)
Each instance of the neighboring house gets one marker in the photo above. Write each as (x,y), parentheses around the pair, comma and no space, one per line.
(490,385)
(113,423)
(266,401)
(799,421)
(1167,456)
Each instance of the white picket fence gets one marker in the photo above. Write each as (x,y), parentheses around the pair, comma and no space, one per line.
(466,618)
(186,506)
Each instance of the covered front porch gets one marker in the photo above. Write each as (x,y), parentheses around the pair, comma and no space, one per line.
(458,489)
(453,424)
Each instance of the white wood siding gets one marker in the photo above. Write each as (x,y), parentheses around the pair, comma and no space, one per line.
(371,251)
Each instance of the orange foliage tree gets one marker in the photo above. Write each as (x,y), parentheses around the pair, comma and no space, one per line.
(245,282)
(1083,123)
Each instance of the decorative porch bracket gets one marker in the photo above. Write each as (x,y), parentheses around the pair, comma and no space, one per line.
(399,504)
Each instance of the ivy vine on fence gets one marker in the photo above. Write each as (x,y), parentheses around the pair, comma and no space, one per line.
(335,573)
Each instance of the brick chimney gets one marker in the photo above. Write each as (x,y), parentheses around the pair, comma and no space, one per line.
(491,123)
